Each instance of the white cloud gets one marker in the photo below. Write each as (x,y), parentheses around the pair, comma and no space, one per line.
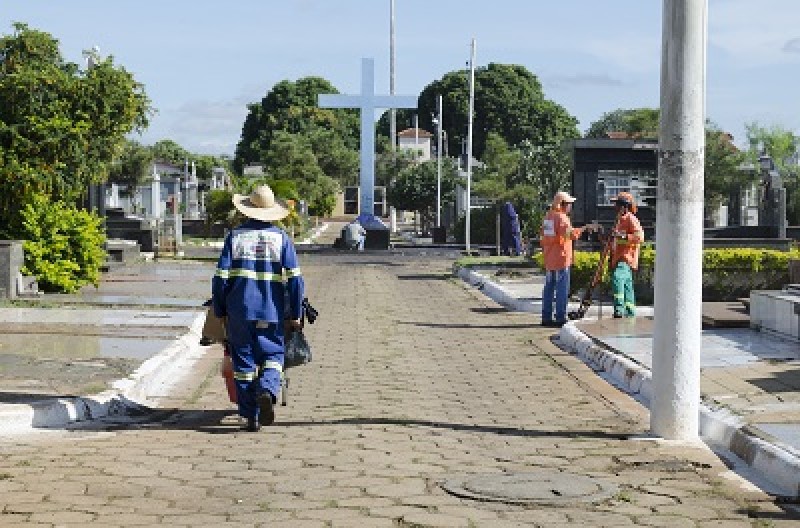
(792,46)
(202,126)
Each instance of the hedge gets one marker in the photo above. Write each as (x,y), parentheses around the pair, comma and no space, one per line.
(728,273)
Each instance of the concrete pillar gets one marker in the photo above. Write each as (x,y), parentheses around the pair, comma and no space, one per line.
(679,222)
(11,261)
(155,195)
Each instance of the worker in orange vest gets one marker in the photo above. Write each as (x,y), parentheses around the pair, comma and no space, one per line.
(556,236)
(627,239)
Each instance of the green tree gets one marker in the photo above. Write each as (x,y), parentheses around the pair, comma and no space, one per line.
(291,107)
(170,151)
(501,165)
(508,101)
(415,188)
(133,164)
(60,127)
(782,145)
(635,122)
(723,172)
(219,208)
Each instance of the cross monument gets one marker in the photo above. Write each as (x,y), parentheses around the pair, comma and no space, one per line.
(367,102)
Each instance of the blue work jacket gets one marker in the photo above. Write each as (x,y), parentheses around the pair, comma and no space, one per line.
(257,265)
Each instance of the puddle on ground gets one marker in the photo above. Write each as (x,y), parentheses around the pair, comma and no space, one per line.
(65,347)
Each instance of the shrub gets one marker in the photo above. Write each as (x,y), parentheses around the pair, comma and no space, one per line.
(63,245)
(727,273)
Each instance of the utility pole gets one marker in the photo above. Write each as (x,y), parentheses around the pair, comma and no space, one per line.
(392,114)
(392,111)
(679,222)
(439,162)
(469,141)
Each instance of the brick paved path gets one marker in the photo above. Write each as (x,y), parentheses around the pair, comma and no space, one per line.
(415,380)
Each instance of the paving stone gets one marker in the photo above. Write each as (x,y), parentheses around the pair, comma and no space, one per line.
(413,380)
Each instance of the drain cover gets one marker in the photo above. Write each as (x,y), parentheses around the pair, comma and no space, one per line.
(541,487)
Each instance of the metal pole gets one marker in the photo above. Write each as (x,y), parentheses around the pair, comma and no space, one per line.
(469,140)
(392,114)
(439,164)
(679,222)
(392,111)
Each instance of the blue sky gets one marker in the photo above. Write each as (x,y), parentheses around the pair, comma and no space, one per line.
(202,61)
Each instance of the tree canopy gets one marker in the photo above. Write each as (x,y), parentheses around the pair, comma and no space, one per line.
(782,145)
(297,140)
(60,126)
(635,122)
(509,101)
(60,129)
(415,188)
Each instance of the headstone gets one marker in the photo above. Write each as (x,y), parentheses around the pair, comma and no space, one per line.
(11,261)
(367,102)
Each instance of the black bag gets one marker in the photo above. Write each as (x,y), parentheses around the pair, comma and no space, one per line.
(297,351)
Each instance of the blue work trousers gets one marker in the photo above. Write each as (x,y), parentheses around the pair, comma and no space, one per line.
(556,284)
(257,353)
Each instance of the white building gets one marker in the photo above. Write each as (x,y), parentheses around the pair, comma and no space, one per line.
(416,139)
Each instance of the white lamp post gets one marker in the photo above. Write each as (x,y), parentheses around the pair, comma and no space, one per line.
(469,140)
(438,122)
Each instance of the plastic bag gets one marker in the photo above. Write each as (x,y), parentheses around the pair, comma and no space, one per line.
(297,351)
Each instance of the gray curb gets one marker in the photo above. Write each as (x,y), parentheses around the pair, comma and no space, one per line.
(145,386)
(718,428)
(778,463)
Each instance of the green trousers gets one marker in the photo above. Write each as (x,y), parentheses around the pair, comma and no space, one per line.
(622,288)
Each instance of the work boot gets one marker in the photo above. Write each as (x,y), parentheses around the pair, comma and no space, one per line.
(252,425)
(266,410)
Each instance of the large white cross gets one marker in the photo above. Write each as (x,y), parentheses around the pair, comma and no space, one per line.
(367,102)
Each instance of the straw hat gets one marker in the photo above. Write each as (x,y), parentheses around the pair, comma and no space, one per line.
(260,205)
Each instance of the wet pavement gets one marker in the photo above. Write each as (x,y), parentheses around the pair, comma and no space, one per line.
(750,379)
(78,345)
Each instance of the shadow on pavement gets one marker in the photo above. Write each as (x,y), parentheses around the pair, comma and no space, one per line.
(225,421)
(488,327)
(493,429)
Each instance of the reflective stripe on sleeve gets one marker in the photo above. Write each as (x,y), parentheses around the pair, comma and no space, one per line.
(222,273)
(272,365)
(293,272)
(245,376)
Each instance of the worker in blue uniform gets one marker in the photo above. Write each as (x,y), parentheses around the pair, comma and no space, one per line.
(257,267)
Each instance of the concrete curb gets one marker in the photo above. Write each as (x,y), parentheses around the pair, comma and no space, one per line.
(718,427)
(314,234)
(502,296)
(496,292)
(145,386)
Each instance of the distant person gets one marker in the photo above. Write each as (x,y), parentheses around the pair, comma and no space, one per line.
(354,235)
(248,290)
(510,231)
(628,237)
(557,235)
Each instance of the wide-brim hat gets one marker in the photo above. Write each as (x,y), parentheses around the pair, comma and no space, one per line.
(260,205)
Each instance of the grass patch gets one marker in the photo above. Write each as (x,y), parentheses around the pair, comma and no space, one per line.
(513,262)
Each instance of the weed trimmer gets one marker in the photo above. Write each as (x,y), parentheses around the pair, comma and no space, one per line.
(586,301)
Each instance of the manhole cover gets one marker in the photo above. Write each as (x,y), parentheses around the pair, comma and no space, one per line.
(541,487)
